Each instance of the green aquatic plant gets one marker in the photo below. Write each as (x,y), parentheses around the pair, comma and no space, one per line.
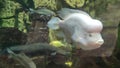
(75,3)
(25,3)
(51,4)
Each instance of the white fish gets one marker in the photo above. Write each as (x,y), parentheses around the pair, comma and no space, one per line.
(81,29)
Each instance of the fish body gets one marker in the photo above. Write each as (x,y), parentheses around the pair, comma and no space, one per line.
(82,30)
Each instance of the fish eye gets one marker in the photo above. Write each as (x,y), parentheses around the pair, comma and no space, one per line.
(90,35)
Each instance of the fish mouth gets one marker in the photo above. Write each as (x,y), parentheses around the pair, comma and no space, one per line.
(96,44)
(91,46)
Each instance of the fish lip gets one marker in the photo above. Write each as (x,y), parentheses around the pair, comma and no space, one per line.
(90,47)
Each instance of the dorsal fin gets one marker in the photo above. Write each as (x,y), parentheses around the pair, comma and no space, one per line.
(64,12)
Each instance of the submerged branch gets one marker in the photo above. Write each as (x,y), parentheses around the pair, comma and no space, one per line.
(18,53)
(22,59)
(39,48)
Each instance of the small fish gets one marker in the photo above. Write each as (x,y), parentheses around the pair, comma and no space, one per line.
(43,11)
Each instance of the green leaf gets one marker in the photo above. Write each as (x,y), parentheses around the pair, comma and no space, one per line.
(57,44)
